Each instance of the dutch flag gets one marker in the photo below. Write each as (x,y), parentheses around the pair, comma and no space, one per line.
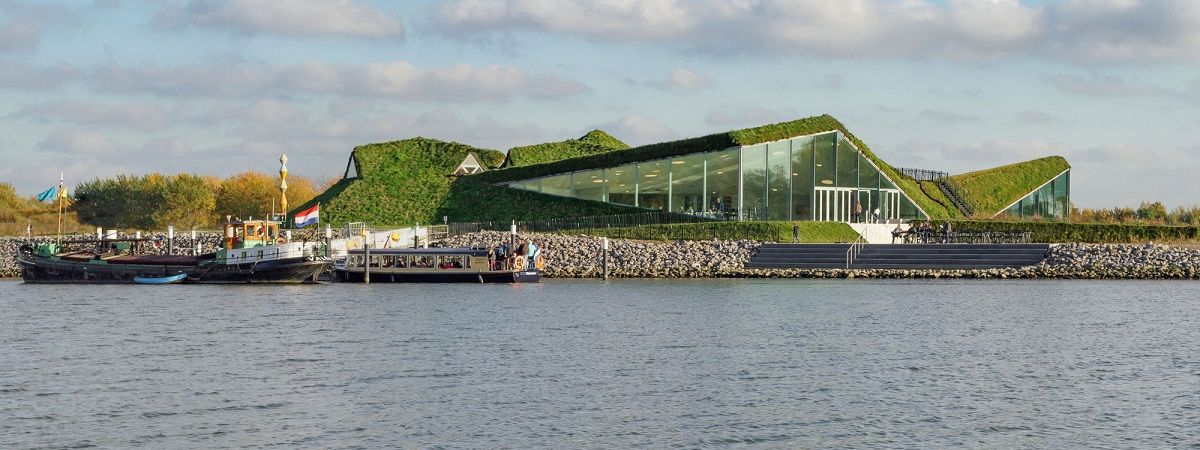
(308,216)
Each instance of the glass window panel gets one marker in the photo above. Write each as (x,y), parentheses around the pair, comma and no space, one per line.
(778,174)
(687,184)
(723,184)
(907,209)
(802,178)
(653,182)
(825,149)
(557,185)
(847,164)
(868,177)
(754,182)
(588,185)
(620,182)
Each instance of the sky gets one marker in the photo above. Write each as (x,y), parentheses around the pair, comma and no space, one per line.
(104,87)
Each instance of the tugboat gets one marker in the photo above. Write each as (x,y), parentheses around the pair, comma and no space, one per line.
(254,252)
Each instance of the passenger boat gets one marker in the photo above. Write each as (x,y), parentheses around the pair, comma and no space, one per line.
(254,252)
(431,265)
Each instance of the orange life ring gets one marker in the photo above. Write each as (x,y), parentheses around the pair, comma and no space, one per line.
(541,263)
(519,262)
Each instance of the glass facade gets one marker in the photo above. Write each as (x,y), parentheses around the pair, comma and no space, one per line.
(1051,201)
(818,177)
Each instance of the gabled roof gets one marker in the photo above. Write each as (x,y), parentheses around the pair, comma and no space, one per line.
(469,166)
(992,190)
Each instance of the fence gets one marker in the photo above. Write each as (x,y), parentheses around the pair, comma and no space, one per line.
(583,225)
(922,174)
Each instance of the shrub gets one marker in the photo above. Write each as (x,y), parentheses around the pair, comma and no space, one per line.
(1060,232)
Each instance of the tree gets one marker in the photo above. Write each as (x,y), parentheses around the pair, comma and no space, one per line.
(187,201)
(247,194)
(300,191)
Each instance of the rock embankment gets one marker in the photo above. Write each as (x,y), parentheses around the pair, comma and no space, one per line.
(582,256)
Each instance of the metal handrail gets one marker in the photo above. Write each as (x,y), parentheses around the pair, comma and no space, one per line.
(853,251)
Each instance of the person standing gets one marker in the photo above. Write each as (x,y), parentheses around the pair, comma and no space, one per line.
(857,216)
(795,232)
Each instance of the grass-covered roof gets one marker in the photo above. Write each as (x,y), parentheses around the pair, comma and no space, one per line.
(406,182)
(593,143)
(929,198)
(991,190)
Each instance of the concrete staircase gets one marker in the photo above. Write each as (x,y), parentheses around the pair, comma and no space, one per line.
(898,256)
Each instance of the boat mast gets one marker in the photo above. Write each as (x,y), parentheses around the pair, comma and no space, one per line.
(59,199)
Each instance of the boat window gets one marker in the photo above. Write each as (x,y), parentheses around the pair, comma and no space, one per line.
(402,261)
(422,261)
(375,261)
(450,262)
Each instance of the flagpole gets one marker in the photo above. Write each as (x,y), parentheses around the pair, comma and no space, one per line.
(59,197)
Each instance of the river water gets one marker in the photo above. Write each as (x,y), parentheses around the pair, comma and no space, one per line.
(590,364)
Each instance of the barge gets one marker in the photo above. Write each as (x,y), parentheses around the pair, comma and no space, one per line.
(254,252)
(433,265)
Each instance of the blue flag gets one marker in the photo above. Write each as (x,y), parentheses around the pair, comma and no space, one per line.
(47,194)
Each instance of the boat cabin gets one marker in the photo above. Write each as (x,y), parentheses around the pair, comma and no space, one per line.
(251,233)
(428,265)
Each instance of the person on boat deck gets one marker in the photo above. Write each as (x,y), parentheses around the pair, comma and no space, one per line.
(535,252)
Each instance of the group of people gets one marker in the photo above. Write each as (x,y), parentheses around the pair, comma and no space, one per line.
(526,255)
(921,233)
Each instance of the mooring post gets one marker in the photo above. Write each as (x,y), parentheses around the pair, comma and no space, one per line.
(512,241)
(605,258)
(171,239)
(366,258)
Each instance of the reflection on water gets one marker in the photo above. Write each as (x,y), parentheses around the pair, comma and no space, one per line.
(568,364)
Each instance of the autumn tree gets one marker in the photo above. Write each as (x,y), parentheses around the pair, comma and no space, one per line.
(187,201)
(247,194)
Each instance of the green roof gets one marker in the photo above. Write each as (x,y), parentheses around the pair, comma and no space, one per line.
(991,190)
(594,142)
(929,198)
(406,182)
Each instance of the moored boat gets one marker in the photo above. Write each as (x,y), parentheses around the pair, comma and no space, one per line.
(254,252)
(431,265)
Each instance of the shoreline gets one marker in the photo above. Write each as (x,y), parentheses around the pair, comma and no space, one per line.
(581,256)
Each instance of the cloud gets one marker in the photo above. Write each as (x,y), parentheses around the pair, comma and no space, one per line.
(80,143)
(138,116)
(1102,86)
(295,18)
(638,130)
(16,75)
(1034,117)
(745,117)
(683,79)
(22,23)
(948,116)
(1080,31)
(398,80)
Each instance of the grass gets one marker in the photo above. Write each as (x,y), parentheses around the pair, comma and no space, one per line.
(1061,232)
(406,182)
(991,190)
(810,232)
(931,202)
(593,143)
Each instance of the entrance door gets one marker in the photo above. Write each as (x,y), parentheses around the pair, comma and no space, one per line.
(833,204)
(890,209)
